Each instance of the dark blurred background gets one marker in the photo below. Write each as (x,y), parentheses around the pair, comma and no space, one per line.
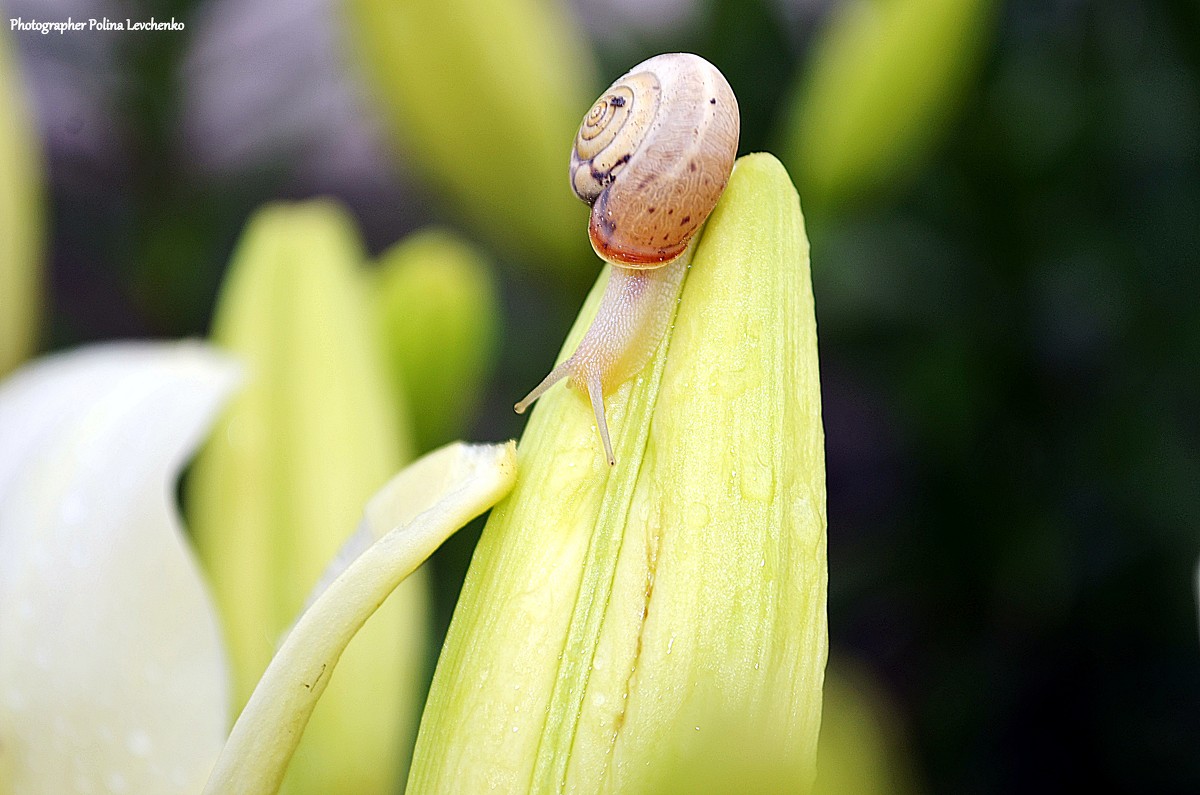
(1009,326)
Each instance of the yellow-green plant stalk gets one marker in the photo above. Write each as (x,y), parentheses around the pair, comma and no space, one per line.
(482,94)
(20,219)
(617,621)
(438,313)
(884,77)
(313,434)
(410,518)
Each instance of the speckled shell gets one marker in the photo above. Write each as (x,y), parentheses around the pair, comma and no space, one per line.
(653,156)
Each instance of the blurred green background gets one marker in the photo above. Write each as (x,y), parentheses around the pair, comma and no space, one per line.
(1003,201)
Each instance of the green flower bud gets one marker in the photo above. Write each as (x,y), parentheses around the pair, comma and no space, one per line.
(617,619)
(482,94)
(284,478)
(438,313)
(884,77)
(861,749)
(20,220)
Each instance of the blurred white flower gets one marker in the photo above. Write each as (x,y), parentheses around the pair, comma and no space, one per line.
(112,674)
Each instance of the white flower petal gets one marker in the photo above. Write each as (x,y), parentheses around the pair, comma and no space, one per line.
(112,674)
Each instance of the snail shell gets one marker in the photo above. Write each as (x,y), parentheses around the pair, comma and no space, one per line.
(653,156)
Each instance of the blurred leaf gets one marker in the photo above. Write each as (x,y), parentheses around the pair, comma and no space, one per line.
(614,618)
(486,96)
(884,77)
(438,313)
(285,477)
(20,219)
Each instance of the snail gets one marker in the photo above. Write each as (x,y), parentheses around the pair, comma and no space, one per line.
(651,157)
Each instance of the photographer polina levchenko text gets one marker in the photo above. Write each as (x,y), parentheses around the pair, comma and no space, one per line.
(104,23)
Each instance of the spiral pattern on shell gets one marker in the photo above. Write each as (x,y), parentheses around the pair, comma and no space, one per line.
(652,157)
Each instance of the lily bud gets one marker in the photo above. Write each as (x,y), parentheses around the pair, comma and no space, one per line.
(618,620)
(303,446)
(884,78)
(863,748)
(481,95)
(20,220)
(435,286)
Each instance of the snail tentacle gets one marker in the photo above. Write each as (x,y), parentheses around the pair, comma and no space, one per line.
(596,393)
(634,312)
(556,375)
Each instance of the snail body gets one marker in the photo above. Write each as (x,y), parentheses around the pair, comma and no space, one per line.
(652,157)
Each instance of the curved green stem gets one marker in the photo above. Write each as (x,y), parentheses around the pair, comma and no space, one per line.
(464,481)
